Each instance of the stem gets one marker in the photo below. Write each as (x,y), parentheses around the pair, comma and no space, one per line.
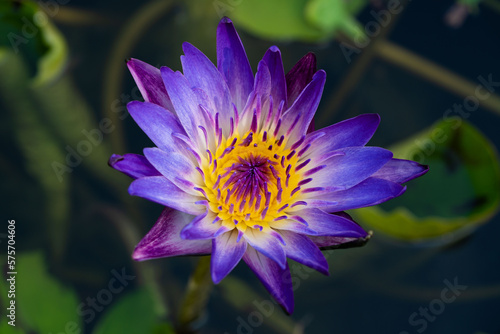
(434,73)
(196,298)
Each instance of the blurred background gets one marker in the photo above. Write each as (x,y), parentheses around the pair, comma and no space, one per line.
(429,68)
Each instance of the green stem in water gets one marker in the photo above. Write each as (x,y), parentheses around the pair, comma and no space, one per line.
(196,297)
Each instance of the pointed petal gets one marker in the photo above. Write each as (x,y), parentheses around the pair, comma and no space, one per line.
(233,64)
(296,119)
(301,249)
(267,244)
(202,73)
(330,224)
(355,131)
(156,122)
(164,240)
(204,226)
(275,279)
(401,171)
(275,65)
(299,76)
(345,170)
(371,191)
(176,168)
(226,253)
(150,84)
(160,190)
(133,165)
(185,103)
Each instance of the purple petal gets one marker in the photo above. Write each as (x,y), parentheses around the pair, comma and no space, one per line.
(371,191)
(296,119)
(355,131)
(301,249)
(160,190)
(226,253)
(275,65)
(133,165)
(299,76)
(233,64)
(345,170)
(176,168)
(202,73)
(150,84)
(401,171)
(276,280)
(164,240)
(185,103)
(267,244)
(156,122)
(204,226)
(291,225)
(260,94)
(323,223)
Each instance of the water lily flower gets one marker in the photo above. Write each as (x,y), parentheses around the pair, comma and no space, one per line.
(239,169)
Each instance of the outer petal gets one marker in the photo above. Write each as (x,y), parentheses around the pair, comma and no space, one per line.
(185,103)
(164,240)
(205,226)
(156,122)
(349,168)
(267,244)
(296,119)
(202,73)
(330,224)
(276,280)
(233,63)
(133,165)
(301,249)
(371,191)
(299,76)
(401,171)
(355,131)
(226,253)
(275,65)
(160,190)
(148,79)
(176,168)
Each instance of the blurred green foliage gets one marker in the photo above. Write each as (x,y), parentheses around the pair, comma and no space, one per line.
(305,20)
(460,191)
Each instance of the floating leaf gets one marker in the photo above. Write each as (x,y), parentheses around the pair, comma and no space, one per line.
(27,30)
(306,20)
(43,303)
(134,313)
(460,191)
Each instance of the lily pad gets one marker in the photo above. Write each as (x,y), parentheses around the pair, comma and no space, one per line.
(44,305)
(27,30)
(305,20)
(460,191)
(134,313)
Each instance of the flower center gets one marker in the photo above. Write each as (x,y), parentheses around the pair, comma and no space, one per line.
(250,180)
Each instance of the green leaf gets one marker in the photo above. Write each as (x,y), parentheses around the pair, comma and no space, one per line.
(134,313)
(306,20)
(26,30)
(5,328)
(43,303)
(459,192)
